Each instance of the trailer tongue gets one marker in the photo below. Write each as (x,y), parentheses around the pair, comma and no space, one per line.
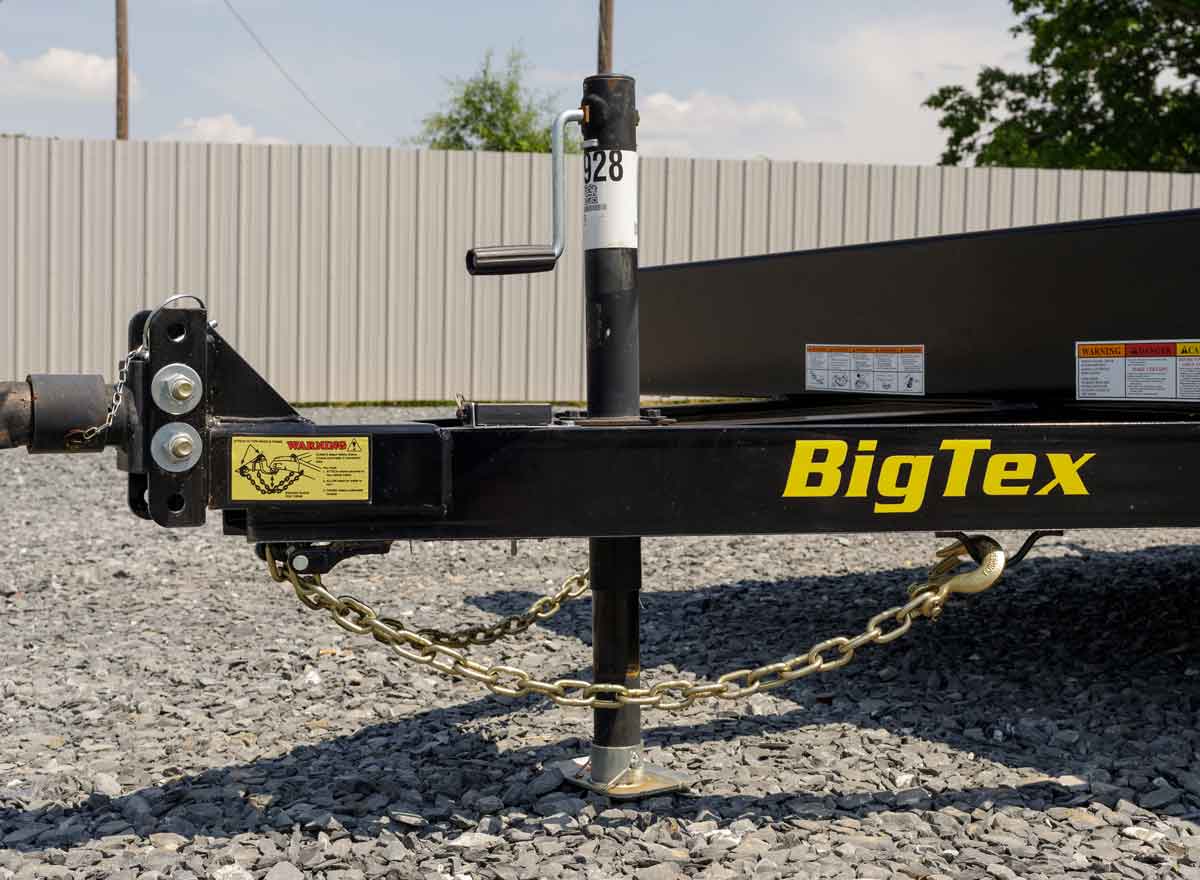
(1039,378)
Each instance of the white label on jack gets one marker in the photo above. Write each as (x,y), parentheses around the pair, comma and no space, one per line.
(610,199)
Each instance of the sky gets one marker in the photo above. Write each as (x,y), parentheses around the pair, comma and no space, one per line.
(806,79)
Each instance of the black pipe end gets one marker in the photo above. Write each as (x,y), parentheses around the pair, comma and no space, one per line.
(63,408)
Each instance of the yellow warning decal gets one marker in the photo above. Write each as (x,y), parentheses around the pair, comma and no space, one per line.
(281,469)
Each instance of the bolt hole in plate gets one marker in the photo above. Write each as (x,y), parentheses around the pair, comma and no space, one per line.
(176,502)
(177,389)
(177,332)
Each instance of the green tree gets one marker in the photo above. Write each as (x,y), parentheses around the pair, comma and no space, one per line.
(493,110)
(1112,84)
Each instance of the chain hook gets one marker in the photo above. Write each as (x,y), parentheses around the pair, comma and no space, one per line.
(945,580)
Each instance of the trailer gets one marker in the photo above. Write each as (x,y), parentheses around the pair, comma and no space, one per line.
(1034,378)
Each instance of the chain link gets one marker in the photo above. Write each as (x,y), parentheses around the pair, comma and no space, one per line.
(118,392)
(425,646)
(543,609)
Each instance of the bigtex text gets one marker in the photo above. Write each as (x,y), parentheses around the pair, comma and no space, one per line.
(819,470)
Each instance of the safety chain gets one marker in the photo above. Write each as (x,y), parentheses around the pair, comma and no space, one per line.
(118,392)
(927,599)
(543,609)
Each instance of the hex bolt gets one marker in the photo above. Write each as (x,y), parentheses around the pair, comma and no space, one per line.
(180,446)
(300,562)
(181,388)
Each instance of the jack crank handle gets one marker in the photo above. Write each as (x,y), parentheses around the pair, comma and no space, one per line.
(524,258)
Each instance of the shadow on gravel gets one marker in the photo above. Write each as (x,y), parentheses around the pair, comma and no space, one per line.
(1080,665)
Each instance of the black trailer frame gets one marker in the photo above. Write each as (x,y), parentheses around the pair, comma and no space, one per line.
(985,450)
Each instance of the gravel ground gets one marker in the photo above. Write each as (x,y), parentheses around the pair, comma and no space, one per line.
(167,711)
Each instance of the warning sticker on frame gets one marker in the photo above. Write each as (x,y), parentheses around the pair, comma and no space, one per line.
(1151,370)
(865,369)
(610,199)
(283,469)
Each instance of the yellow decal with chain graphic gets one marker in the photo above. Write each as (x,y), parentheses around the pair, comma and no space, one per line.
(819,470)
(283,469)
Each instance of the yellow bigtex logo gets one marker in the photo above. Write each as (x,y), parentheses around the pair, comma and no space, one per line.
(902,481)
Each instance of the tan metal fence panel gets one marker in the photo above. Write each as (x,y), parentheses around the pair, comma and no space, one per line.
(882,208)
(63,256)
(953,214)
(756,223)
(9,356)
(675,223)
(856,203)
(1024,197)
(781,208)
(705,209)
(1045,196)
(338,271)
(543,291)
(455,339)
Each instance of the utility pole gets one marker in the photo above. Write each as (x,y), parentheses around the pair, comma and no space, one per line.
(604,38)
(122,71)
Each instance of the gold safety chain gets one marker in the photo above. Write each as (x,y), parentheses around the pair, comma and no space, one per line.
(543,609)
(926,599)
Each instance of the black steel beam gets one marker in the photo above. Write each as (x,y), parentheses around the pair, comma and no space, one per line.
(564,481)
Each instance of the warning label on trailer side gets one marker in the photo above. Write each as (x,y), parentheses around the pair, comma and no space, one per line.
(1150,370)
(865,369)
(283,469)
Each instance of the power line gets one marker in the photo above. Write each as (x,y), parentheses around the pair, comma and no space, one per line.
(286,75)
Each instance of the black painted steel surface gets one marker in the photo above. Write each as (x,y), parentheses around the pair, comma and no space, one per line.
(997,311)
(741,479)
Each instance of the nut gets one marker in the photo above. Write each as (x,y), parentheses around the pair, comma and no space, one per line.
(181,388)
(180,446)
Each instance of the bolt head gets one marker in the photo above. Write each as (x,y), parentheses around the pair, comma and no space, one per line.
(300,562)
(182,388)
(180,446)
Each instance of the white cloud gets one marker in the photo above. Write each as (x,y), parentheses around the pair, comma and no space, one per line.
(670,125)
(219,129)
(62,74)
(891,69)
(879,75)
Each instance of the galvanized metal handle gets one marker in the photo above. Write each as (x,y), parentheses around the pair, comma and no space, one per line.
(523,258)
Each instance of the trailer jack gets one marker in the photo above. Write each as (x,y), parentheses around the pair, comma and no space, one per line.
(920,425)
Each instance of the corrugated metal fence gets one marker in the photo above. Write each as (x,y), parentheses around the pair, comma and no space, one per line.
(338,271)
